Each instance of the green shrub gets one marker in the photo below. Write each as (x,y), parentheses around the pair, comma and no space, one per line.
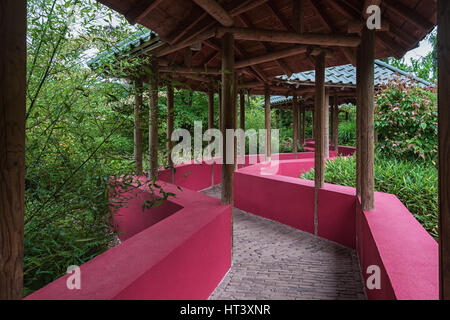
(347,133)
(406,121)
(413,182)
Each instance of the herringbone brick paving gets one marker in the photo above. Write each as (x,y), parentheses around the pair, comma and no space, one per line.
(272,261)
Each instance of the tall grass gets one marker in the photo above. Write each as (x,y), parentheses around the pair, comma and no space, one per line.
(415,183)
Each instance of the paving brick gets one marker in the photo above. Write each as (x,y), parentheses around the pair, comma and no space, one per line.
(272,261)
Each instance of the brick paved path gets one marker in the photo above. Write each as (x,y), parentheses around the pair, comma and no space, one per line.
(275,262)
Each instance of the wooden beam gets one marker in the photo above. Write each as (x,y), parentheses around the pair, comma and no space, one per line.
(444,147)
(138,125)
(210,107)
(291,37)
(141,10)
(170,125)
(216,11)
(366,129)
(186,70)
(326,137)
(153,120)
(295,122)
(298,16)
(208,34)
(319,122)
(242,111)
(303,126)
(268,123)
(268,47)
(12,145)
(272,56)
(228,116)
(408,14)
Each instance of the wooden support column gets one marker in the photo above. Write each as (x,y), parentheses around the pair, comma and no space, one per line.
(336,125)
(228,115)
(303,130)
(319,123)
(358,121)
(444,147)
(366,128)
(138,108)
(295,124)
(242,111)
(327,125)
(170,126)
(12,145)
(268,123)
(153,120)
(211,107)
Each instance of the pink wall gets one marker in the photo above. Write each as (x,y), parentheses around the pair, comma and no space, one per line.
(184,256)
(408,256)
(389,237)
(131,219)
(284,199)
(336,214)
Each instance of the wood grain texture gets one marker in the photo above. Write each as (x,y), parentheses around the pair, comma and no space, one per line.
(295,124)
(319,121)
(211,107)
(12,146)
(444,147)
(153,120)
(228,115)
(367,88)
(326,136)
(268,123)
(138,126)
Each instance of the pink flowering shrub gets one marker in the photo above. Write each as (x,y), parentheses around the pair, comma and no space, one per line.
(406,121)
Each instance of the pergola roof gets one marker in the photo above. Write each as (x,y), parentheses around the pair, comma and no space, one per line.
(328,24)
(343,78)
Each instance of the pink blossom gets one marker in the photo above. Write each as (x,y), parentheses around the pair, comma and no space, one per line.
(395,109)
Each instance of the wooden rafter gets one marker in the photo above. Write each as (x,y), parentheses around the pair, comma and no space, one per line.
(216,11)
(141,10)
(319,39)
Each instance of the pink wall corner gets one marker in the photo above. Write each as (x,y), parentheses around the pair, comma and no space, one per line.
(281,199)
(336,215)
(132,218)
(192,271)
(184,256)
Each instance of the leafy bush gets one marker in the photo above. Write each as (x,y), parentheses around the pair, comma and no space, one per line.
(347,133)
(406,121)
(413,182)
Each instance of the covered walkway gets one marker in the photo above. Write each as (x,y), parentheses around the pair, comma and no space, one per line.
(272,261)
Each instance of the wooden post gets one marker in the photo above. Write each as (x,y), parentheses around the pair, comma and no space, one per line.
(242,111)
(138,108)
(153,120)
(359,61)
(327,125)
(295,124)
(242,123)
(268,123)
(220,107)
(366,104)
(170,127)
(210,107)
(319,123)
(12,145)
(228,115)
(336,125)
(444,147)
(303,131)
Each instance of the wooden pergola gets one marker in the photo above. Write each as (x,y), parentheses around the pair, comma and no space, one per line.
(245,43)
